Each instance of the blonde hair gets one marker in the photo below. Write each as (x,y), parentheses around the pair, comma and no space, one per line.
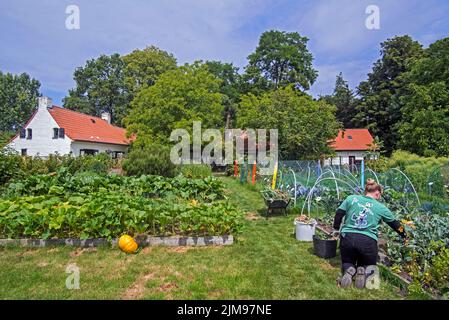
(372,186)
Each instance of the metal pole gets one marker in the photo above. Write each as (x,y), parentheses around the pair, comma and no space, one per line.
(362,175)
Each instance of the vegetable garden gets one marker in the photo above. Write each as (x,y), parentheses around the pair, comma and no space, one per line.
(421,204)
(90,205)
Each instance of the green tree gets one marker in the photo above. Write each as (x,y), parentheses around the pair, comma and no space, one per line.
(179,97)
(379,107)
(230,87)
(18,100)
(280,59)
(100,86)
(143,67)
(305,125)
(425,112)
(343,98)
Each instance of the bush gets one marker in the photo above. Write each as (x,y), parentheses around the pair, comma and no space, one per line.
(196,171)
(152,159)
(9,164)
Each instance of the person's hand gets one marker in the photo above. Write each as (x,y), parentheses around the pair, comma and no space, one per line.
(335,233)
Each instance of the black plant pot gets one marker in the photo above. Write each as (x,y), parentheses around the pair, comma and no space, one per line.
(324,248)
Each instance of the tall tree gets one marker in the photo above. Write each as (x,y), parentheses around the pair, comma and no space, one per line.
(280,59)
(100,86)
(143,67)
(425,127)
(304,125)
(379,107)
(179,97)
(230,87)
(18,100)
(343,98)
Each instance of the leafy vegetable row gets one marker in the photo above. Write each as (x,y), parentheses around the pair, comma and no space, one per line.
(110,214)
(205,189)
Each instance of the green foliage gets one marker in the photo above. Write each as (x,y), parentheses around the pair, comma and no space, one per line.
(100,86)
(440,270)
(9,163)
(343,98)
(281,59)
(84,183)
(305,126)
(230,87)
(425,128)
(149,159)
(18,96)
(90,205)
(143,67)
(109,214)
(14,166)
(179,97)
(196,171)
(379,108)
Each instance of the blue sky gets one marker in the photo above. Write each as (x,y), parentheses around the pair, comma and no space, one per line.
(34,38)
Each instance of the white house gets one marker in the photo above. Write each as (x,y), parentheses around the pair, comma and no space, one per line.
(350,146)
(53,129)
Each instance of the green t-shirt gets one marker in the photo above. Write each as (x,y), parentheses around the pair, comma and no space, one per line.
(363,215)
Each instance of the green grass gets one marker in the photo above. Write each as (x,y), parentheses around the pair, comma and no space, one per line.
(266,262)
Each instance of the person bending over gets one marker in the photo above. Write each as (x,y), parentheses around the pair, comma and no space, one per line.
(358,237)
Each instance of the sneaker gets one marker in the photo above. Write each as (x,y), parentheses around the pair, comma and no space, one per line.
(346,280)
(372,278)
(360,278)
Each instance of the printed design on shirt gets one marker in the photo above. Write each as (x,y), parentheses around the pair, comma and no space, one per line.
(360,218)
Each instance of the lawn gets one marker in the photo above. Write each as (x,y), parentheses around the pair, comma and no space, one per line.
(266,262)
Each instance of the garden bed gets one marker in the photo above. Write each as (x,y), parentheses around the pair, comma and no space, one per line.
(143,241)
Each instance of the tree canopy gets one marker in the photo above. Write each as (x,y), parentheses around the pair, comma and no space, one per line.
(179,97)
(425,112)
(379,108)
(343,98)
(143,67)
(305,125)
(100,87)
(18,100)
(280,59)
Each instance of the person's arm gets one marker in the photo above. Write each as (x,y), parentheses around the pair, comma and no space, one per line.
(389,218)
(340,214)
(396,226)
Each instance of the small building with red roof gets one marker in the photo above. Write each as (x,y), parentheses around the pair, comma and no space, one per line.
(56,130)
(350,147)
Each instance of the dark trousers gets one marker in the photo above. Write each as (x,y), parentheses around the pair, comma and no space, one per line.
(357,250)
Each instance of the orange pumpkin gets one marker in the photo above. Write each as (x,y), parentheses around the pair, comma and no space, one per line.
(127,244)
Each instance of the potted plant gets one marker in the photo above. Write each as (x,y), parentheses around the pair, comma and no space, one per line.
(305,228)
(324,245)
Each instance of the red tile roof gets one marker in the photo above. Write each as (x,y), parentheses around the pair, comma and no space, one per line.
(361,138)
(82,127)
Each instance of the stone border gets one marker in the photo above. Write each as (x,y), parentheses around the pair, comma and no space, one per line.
(175,241)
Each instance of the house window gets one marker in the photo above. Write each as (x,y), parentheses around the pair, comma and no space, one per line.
(61,133)
(88,152)
(349,137)
(30,134)
(24,152)
(23,133)
(58,133)
(117,154)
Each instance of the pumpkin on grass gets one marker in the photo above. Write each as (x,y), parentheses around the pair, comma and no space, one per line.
(127,244)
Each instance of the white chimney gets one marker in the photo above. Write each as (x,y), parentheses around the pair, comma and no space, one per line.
(44,102)
(106,116)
